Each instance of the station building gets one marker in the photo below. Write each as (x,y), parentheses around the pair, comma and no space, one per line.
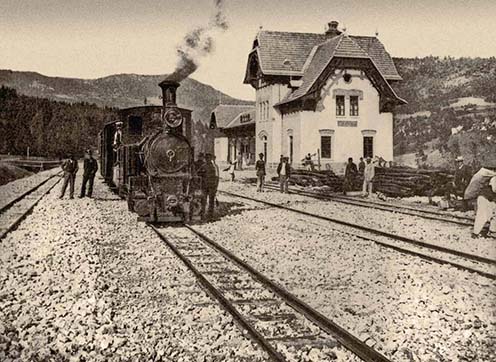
(326,94)
(234,132)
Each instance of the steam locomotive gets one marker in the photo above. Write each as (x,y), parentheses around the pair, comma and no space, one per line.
(147,157)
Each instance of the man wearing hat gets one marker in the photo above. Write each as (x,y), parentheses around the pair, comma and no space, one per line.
(260,170)
(70,168)
(117,135)
(90,167)
(284,172)
(463,174)
(208,172)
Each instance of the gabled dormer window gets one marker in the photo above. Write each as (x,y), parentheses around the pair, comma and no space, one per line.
(340,106)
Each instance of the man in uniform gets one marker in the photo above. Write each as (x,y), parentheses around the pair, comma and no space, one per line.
(260,170)
(210,181)
(70,168)
(349,176)
(90,167)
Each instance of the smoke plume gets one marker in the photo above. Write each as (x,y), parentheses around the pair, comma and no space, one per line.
(198,43)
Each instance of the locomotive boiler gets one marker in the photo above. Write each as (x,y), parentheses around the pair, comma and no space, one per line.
(147,157)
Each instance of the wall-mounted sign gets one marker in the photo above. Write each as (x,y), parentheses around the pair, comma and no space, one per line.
(347,123)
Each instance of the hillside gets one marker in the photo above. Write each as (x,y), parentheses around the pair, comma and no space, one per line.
(47,127)
(120,91)
(451,110)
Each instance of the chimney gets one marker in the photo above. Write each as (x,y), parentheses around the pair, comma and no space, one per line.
(332,31)
(169,93)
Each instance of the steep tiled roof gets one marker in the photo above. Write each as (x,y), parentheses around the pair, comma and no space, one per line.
(379,55)
(239,121)
(341,46)
(226,113)
(274,47)
(323,55)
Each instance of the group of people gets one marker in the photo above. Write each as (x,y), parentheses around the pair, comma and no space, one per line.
(365,168)
(70,168)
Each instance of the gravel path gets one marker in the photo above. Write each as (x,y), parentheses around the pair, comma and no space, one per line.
(409,309)
(12,190)
(431,231)
(82,280)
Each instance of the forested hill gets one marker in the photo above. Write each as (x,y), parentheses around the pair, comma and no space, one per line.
(47,127)
(451,109)
(120,91)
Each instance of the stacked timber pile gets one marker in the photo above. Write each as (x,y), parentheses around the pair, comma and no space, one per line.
(406,182)
(316,178)
(392,182)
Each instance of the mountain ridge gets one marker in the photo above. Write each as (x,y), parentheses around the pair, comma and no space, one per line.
(121,90)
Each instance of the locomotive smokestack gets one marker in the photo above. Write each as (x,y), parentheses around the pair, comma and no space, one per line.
(169,89)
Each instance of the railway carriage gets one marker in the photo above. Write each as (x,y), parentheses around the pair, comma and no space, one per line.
(146,155)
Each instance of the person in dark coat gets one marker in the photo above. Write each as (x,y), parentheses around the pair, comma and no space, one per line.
(90,167)
(210,181)
(350,174)
(284,172)
(361,166)
(70,168)
(260,170)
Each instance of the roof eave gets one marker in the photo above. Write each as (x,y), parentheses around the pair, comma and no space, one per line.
(399,99)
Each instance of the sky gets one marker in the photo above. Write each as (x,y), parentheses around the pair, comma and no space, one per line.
(96,38)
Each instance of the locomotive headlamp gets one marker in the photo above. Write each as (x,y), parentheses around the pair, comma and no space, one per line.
(173,118)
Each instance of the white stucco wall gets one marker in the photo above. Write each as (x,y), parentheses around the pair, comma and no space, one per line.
(270,123)
(346,141)
(221,149)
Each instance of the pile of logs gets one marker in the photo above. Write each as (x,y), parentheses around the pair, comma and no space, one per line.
(405,181)
(307,178)
(392,182)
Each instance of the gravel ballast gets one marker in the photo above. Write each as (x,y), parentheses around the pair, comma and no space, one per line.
(402,305)
(83,280)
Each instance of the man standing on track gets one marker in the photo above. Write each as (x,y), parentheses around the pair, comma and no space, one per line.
(284,172)
(70,168)
(89,171)
(260,169)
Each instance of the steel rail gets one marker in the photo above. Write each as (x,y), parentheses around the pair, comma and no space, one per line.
(228,306)
(25,213)
(23,195)
(407,210)
(468,256)
(349,341)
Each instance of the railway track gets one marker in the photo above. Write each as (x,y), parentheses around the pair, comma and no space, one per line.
(402,209)
(15,210)
(434,253)
(276,320)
